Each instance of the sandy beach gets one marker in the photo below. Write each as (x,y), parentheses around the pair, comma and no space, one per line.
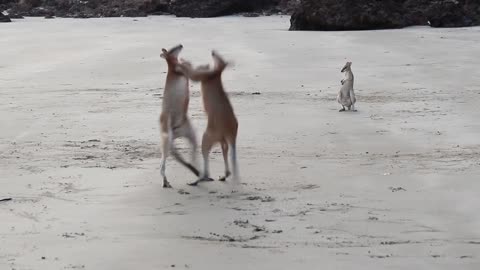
(392,186)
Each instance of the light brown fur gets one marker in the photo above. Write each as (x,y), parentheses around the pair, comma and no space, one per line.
(222,124)
(346,95)
(174,121)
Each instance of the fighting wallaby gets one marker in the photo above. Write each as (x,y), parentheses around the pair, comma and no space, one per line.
(346,96)
(174,122)
(222,124)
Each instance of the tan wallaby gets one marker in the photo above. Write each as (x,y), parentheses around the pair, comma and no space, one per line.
(174,122)
(222,124)
(346,96)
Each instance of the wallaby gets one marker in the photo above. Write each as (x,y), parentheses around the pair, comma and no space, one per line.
(346,96)
(222,124)
(174,122)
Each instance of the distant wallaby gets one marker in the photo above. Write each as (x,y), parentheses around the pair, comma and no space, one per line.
(346,96)
(222,124)
(174,122)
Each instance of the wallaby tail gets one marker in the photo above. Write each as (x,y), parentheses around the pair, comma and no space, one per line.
(174,151)
(235,172)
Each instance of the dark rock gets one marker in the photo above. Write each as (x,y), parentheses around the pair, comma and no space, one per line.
(41,12)
(215,8)
(4,18)
(15,16)
(442,13)
(287,6)
(133,13)
(348,15)
(415,12)
(378,14)
(251,14)
(159,13)
(448,13)
(141,8)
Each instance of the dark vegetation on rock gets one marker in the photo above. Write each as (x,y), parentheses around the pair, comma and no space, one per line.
(140,8)
(306,14)
(383,14)
(4,18)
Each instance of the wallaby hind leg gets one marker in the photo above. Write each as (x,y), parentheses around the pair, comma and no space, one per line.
(185,131)
(190,135)
(225,159)
(207,143)
(236,173)
(342,109)
(165,149)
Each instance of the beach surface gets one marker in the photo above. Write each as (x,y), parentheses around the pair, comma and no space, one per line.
(392,186)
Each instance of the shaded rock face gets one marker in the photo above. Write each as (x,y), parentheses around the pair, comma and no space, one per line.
(215,8)
(347,15)
(377,14)
(140,8)
(452,13)
(4,18)
(86,8)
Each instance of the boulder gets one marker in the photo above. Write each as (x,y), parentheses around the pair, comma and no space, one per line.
(377,14)
(348,15)
(416,12)
(4,18)
(215,8)
(449,13)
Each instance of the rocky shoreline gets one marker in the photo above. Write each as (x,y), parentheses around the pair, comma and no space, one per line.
(322,15)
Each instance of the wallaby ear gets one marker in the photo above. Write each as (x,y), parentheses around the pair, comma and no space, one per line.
(164,54)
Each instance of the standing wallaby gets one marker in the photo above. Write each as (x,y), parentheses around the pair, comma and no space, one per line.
(222,124)
(174,122)
(346,96)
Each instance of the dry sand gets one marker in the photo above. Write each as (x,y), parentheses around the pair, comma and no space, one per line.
(393,186)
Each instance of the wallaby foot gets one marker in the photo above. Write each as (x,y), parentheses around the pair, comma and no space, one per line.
(166,184)
(342,109)
(193,169)
(223,178)
(203,179)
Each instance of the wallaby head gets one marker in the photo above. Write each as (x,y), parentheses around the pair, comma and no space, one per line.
(171,56)
(347,67)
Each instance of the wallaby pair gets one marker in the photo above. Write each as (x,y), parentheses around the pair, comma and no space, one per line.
(346,96)
(222,124)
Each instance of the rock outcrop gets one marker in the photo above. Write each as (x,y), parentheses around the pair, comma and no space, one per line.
(383,14)
(215,8)
(347,15)
(87,8)
(4,18)
(307,14)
